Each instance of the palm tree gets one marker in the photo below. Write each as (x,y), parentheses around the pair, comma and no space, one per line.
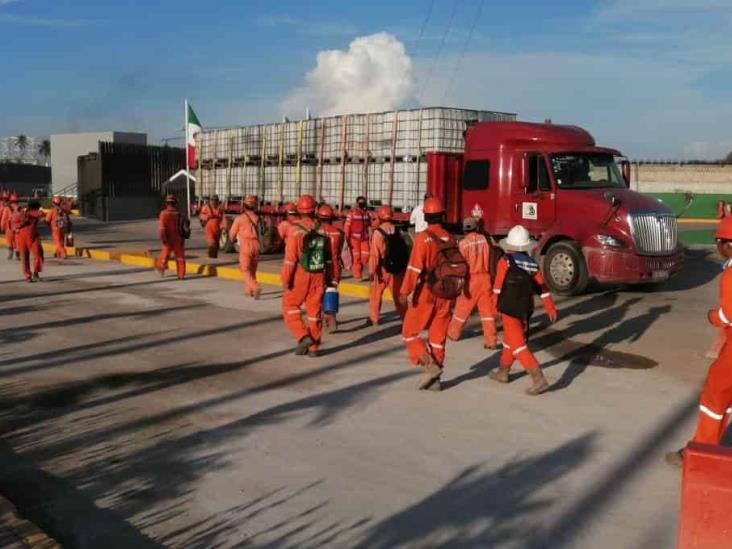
(44,149)
(21,143)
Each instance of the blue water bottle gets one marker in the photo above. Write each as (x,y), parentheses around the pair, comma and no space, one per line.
(330,300)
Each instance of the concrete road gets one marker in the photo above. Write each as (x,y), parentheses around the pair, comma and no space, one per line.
(140,412)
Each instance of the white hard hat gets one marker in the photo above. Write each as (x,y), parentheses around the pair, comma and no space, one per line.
(518,240)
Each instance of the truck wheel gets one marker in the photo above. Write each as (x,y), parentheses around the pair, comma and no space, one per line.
(225,243)
(565,270)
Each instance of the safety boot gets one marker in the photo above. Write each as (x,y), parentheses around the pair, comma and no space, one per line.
(257,294)
(491,347)
(675,459)
(17,256)
(539,384)
(303,345)
(36,277)
(10,254)
(500,374)
(161,272)
(432,372)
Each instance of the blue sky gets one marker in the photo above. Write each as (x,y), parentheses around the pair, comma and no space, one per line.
(652,77)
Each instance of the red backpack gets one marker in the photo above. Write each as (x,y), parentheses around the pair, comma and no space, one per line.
(450,271)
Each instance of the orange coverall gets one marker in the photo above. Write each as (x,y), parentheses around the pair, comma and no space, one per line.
(335,237)
(357,236)
(514,329)
(245,229)
(58,233)
(213,223)
(301,288)
(425,310)
(284,227)
(27,240)
(382,279)
(716,398)
(7,213)
(478,291)
(173,241)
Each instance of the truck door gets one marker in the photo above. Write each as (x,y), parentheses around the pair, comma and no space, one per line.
(535,203)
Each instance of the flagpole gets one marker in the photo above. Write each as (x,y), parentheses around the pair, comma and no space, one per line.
(188,177)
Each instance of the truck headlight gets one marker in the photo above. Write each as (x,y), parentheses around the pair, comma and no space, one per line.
(610,241)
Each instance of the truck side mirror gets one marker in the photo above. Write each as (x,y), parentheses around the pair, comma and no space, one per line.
(625,169)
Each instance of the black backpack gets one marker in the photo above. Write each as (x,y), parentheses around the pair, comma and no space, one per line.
(517,293)
(184,226)
(496,254)
(396,257)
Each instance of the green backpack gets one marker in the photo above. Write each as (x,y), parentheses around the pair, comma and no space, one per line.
(314,250)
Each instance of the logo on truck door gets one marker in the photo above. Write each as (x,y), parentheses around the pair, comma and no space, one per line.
(477,211)
(530,210)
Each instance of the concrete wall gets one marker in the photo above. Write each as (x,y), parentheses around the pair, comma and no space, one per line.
(67,147)
(123,208)
(670,178)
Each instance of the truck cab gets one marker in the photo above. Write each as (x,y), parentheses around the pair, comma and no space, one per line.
(572,196)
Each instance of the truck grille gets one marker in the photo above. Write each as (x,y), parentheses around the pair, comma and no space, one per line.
(654,234)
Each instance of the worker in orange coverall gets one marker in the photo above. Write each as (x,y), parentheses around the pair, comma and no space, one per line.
(424,309)
(169,225)
(476,250)
(381,279)
(335,238)
(244,229)
(517,264)
(60,222)
(357,235)
(286,224)
(300,286)
(715,404)
(10,205)
(213,222)
(24,223)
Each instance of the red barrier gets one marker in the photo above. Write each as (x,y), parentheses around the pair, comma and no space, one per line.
(706,498)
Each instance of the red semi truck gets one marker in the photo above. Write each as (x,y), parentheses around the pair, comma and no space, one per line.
(572,195)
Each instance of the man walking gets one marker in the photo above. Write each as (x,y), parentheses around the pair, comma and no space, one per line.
(335,240)
(388,261)
(357,235)
(24,223)
(476,250)
(244,229)
(172,231)
(60,222)
(213,221)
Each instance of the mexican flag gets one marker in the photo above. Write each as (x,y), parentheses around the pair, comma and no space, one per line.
(193,126)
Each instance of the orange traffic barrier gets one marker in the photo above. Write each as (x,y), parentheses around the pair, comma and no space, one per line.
(706,505)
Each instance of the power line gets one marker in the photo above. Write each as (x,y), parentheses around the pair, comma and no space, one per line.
(425,22)
(455,5)
(451,80)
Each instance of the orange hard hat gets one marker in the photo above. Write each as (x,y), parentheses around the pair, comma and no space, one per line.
(250,200)
(385,213)
(13,197)
(305,204)
(290,208)
(433,206)
(56,200)
(325,212)
(724,231)
(170,198)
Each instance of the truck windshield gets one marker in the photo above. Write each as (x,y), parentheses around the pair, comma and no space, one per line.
(586,171)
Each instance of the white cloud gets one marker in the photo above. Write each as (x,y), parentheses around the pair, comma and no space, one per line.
(373,74)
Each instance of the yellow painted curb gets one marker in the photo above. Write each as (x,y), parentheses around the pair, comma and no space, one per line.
(142,259)
(698,221)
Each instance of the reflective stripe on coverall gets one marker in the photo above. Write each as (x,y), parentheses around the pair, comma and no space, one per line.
(173,242)
(301,288)
(514,329)
(244,228)
(381,280)
(335,238)
(478,291)
(426,310)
